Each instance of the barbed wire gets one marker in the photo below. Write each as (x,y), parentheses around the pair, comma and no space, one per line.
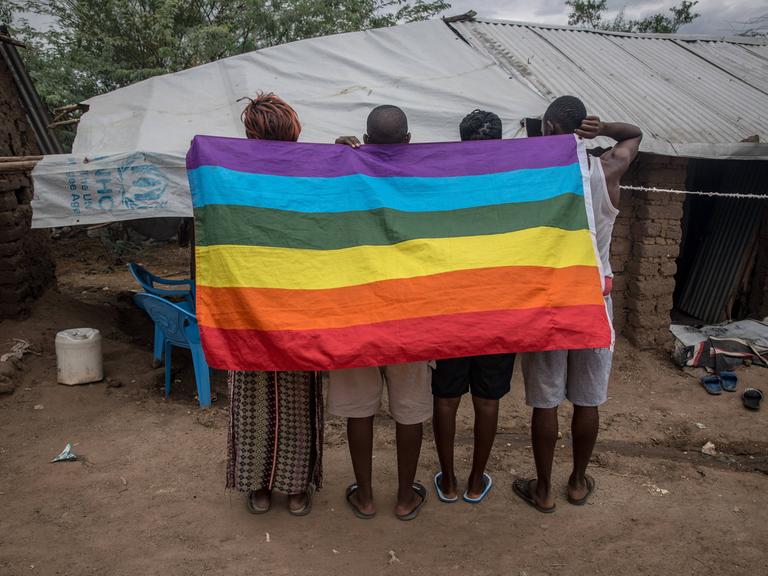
(695,192)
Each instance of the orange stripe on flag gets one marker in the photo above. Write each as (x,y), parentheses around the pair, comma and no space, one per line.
(477,290)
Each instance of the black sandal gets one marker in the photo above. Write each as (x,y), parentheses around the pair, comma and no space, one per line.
(590,488)
(420,491)
(307,508)
(351,489)
(522,488)
(252,508)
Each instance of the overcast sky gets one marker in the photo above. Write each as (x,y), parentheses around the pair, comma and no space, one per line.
(717,16)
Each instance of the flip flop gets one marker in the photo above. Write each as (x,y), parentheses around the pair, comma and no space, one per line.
(421,491)
(752,398)
(307,508)
(440,496)
(728,381)
(712,385)
(252,508)
(522,488)
(590,488)
(351,489)
(487,483)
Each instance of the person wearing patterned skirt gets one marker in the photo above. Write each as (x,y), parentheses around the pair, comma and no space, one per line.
(275,418)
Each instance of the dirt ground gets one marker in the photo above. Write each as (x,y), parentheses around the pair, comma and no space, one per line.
(147,494)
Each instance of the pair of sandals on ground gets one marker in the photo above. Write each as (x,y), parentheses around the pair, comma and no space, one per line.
(726,380)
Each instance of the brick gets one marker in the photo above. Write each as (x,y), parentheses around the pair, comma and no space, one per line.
(8,201)
(652,321)
(10,248)
(672,211)
(646,228)
(620,229)
(12,234)
(642,307)
(672,230)
(618,264)
(655,250)
(643,267)
(620,246)
(12,263)
(651,288)
(668,268)
(13,278)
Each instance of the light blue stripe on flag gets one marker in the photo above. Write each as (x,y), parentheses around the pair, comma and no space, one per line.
(217,185)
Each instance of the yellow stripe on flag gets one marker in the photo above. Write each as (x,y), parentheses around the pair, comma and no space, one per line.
(268,267)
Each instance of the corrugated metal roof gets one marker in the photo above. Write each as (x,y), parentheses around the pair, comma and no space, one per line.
(692,95)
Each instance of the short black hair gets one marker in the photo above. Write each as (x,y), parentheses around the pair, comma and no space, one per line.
(480,125)
(387,124)
(566,112)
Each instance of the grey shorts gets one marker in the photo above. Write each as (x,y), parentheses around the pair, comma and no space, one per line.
(581,376)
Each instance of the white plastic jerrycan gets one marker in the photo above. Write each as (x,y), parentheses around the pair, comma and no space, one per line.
(78,356)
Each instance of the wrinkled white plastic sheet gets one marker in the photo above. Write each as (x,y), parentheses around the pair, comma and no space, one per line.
(128,157)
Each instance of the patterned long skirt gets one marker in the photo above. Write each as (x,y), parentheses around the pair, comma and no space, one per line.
(275,431)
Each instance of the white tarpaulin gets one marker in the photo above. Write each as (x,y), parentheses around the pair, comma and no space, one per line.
(128,157)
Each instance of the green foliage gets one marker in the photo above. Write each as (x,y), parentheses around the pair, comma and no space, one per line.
(96,46)
(591,13)
(588,13)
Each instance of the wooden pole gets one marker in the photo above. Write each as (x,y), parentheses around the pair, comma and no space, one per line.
(24,166)
(19,158)
(9,40)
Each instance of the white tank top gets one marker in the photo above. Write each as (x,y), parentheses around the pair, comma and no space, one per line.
(604,211)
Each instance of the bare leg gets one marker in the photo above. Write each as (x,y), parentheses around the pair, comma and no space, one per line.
(486,421)
(444,426)
(584,427)
(360,439)
(408,449)
(544,439)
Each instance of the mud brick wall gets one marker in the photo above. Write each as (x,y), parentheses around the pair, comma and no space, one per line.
(26,266)
(644,250)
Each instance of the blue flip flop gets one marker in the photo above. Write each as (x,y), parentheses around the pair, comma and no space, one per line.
(712,384)
(487,483)
(440,496)
(728,381)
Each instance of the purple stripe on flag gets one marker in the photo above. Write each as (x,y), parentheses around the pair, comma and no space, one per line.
(422,160)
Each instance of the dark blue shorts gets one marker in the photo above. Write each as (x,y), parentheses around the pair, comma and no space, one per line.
(485,376)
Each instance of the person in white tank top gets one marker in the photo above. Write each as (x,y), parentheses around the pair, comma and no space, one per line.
(581,376)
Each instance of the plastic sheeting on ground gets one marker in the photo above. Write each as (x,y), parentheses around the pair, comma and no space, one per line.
(128,157)
(721,346)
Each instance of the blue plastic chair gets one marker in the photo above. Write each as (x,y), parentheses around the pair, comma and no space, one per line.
(150,283)
(179,328)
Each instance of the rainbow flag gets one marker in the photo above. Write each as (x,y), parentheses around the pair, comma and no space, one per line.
(319,256)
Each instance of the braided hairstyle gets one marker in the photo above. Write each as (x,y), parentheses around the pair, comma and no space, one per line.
(268,117)
(480,125)
(566,113)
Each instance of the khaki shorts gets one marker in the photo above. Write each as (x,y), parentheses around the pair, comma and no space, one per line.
(579,375)
(356,392)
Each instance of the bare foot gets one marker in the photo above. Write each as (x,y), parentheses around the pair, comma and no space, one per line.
(449,486)
(475,486)
(579,488)
(366,506)
(297,502)
(260,500)
(408,504)
(541,494)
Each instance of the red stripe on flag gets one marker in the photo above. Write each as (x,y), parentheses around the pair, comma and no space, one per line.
(398,341)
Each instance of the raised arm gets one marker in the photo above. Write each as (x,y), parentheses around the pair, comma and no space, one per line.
(617,160)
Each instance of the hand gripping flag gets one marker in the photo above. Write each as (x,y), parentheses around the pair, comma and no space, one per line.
(320,256)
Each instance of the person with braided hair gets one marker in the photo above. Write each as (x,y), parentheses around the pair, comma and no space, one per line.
(486,377)
(276,418)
